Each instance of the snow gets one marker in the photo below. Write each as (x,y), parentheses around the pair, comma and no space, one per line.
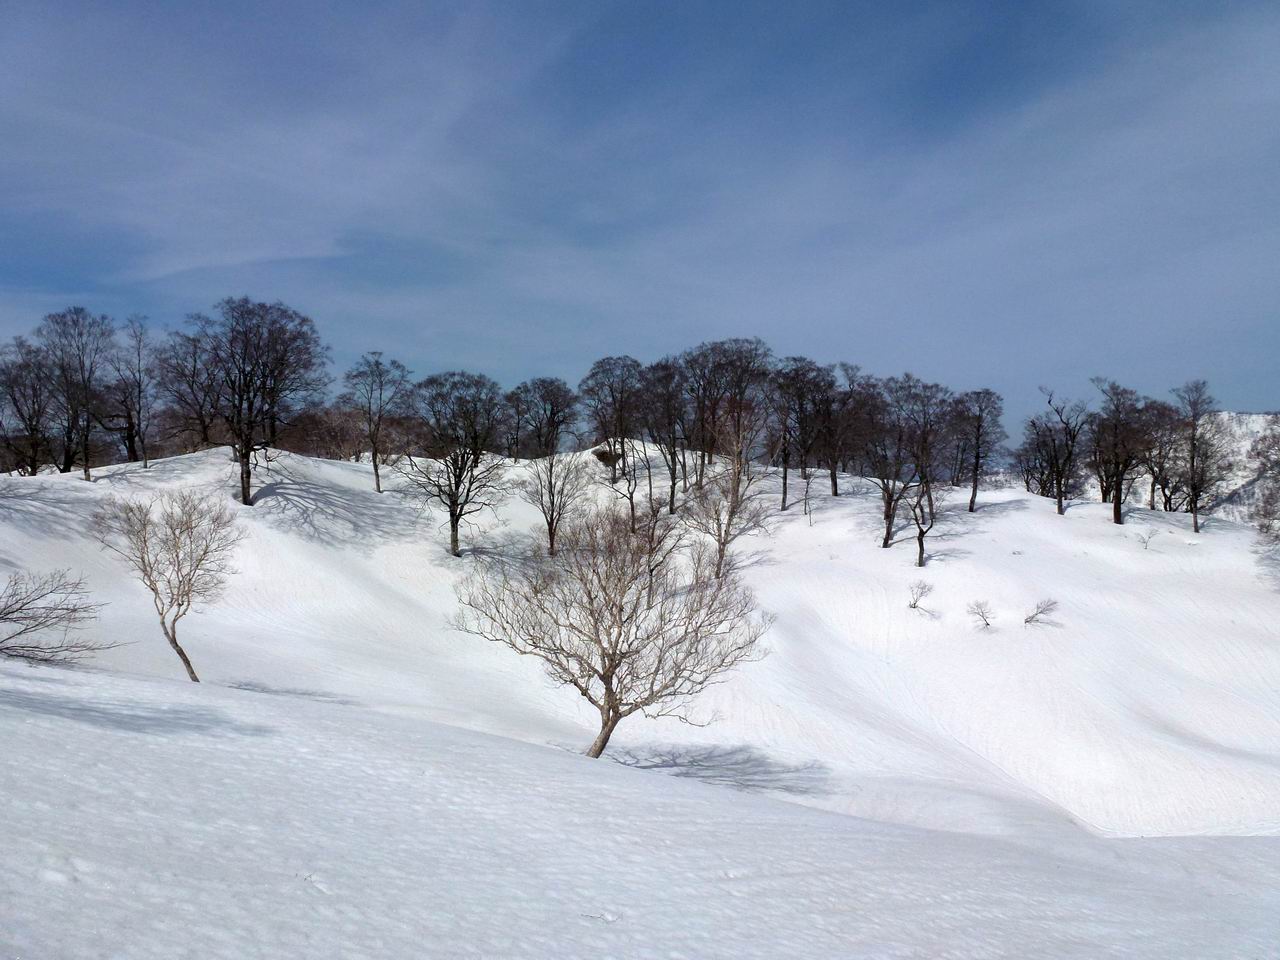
(356,779)
(155,819)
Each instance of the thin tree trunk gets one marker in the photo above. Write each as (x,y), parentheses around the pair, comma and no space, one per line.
(977,469)
(84,452)
(1195,516)
(607,725)
(835,485)
(171,634)
(377,477)
(919,548)
(888,526)
(1116,515)
(785,458)
(453,537)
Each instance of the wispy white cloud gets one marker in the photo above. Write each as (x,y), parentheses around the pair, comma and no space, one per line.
(420,181)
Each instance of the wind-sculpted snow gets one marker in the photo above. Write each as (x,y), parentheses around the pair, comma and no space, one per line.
(1148,704)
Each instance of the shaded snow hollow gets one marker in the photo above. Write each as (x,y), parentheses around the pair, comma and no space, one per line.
(345,801)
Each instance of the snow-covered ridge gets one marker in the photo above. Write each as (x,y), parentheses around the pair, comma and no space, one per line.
(1150,706)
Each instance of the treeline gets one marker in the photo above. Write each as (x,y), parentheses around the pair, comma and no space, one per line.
(83,391)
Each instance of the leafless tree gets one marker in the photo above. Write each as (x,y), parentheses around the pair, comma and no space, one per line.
(801,394)
(723,382)
(610,394)
(77,344)
(919,590)
(730,505)
(1052,448)
(1119,433)
(924,502)
(129,393)
(26,401)
(1203,464)
(556,485)
(1042,611)
(634,625)
(978,428)
(268,363)
(664,413)
(541,413)
(188,384)
(377,389)
(41,614)
(180,545)
(888,449)
(980,610)
(461,416)
(925,411)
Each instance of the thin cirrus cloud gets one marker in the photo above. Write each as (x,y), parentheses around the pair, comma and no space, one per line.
(986,194)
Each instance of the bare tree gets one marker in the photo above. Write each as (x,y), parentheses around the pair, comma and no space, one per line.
(980,610)
(461,416)
(1146,538)
(179,545)
(540,413)
(26,401)
(633,624)
(556,485)
(268,362)
(801,393)
(188,384)
(129,393)
(977,423)
(919,590)
(33,606)
(925,412)
(1161,454)
(664,412)
(1119,433)
(77,344)
(1053,440)
(1042,611)
(888,451)
(376,388)
(610,394)
(1203,465)
(730,505)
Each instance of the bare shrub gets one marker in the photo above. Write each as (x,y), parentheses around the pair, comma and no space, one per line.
(1043,610)
(634,623)
(1146,538)
(33,606)
(180,546)
(919,590)
(980,610)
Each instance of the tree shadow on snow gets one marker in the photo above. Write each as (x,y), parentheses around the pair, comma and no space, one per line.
(340,517)
(130,717)
(742,768)
(42,507)
(253,686)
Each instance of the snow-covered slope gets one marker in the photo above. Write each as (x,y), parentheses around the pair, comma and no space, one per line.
(347,799)
(155,819)
(1151,705)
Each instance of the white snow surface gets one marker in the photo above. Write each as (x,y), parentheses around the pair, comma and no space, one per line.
(1104,785)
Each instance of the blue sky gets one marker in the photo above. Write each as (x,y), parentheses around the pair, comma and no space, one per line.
(986,194)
